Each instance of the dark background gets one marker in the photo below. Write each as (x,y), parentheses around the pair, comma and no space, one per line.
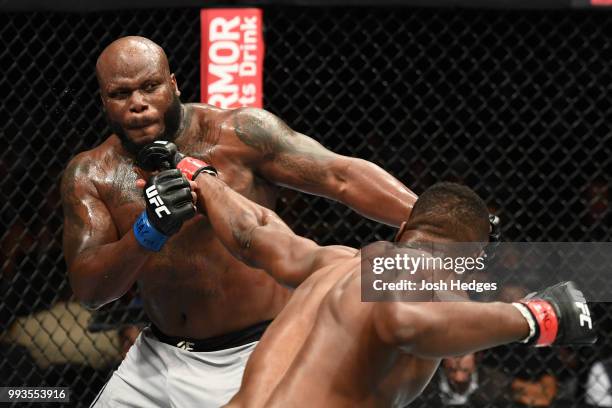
(515,104)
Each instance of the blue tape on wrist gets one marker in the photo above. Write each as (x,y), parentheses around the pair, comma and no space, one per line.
(147,235)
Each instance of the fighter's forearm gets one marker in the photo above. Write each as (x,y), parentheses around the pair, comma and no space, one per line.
(442,329)
(374,193)
(104,273)
(233,217)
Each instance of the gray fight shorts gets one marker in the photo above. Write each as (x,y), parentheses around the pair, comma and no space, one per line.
(158,375)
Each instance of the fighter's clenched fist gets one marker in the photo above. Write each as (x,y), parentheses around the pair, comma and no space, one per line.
(169,203)
(161,155)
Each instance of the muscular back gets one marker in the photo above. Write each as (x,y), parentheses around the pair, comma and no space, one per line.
(193,287)
(325,340)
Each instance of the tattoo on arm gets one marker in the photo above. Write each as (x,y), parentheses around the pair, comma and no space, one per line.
(290,152)
(263,132)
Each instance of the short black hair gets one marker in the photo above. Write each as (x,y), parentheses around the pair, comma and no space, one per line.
(453,207)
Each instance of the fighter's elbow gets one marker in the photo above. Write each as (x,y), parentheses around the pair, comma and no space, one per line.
(339,178)
(91,305)
(88,299)
(84,292)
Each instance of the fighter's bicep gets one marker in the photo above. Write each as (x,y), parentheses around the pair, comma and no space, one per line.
(302,163)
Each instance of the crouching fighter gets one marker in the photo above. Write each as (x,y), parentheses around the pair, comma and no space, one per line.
(327,347)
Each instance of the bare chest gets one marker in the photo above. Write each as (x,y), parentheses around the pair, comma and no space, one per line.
(125,200)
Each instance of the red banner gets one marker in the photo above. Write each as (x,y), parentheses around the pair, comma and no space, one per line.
(231,58)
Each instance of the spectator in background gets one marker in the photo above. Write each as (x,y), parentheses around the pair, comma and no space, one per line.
(458,380)
(598,391)
(535,392)
(464,382)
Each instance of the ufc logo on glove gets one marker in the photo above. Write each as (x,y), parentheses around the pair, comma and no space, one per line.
(154,199)
(585,315)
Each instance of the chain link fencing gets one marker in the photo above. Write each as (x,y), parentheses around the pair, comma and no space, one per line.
(513,103)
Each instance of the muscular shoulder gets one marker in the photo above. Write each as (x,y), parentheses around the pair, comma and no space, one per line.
(252,134)
(260,130)
(86,167)
(76,186)
(211,129)
(77,173)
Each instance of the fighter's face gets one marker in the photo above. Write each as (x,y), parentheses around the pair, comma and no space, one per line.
(141,103)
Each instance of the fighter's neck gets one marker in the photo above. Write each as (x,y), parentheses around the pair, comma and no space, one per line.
(184,123)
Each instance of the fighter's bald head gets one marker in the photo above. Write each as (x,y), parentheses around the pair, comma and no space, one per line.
(139,94)
(127,55)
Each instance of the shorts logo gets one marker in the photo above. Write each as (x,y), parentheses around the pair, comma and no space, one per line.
(185,345)
(155,199)
(585,315)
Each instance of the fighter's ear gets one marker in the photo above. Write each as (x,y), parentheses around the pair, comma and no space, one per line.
(400,232)
(173,80)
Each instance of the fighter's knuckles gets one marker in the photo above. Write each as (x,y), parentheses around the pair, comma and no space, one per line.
(171,186)
(169,174)
(158,155)
(184,212)
(178,197)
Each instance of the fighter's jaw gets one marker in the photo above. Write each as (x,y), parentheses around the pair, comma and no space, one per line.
(135,139)
(144,134)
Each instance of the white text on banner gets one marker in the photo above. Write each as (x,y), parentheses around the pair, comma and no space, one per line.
(231,57)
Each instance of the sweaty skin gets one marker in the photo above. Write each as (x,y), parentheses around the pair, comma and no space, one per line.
(193,287)
(327,347)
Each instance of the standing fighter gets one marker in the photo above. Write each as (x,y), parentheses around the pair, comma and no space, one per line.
(207,308)
(327,348)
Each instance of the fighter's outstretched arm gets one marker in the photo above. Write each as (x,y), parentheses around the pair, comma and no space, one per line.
(436,330)
(292,159)
(557,315)
(258,237)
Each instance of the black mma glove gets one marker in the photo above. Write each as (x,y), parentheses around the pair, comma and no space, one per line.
(162,155)
(169,204)
(558,315)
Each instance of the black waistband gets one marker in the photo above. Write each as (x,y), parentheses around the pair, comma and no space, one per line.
(222,342)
